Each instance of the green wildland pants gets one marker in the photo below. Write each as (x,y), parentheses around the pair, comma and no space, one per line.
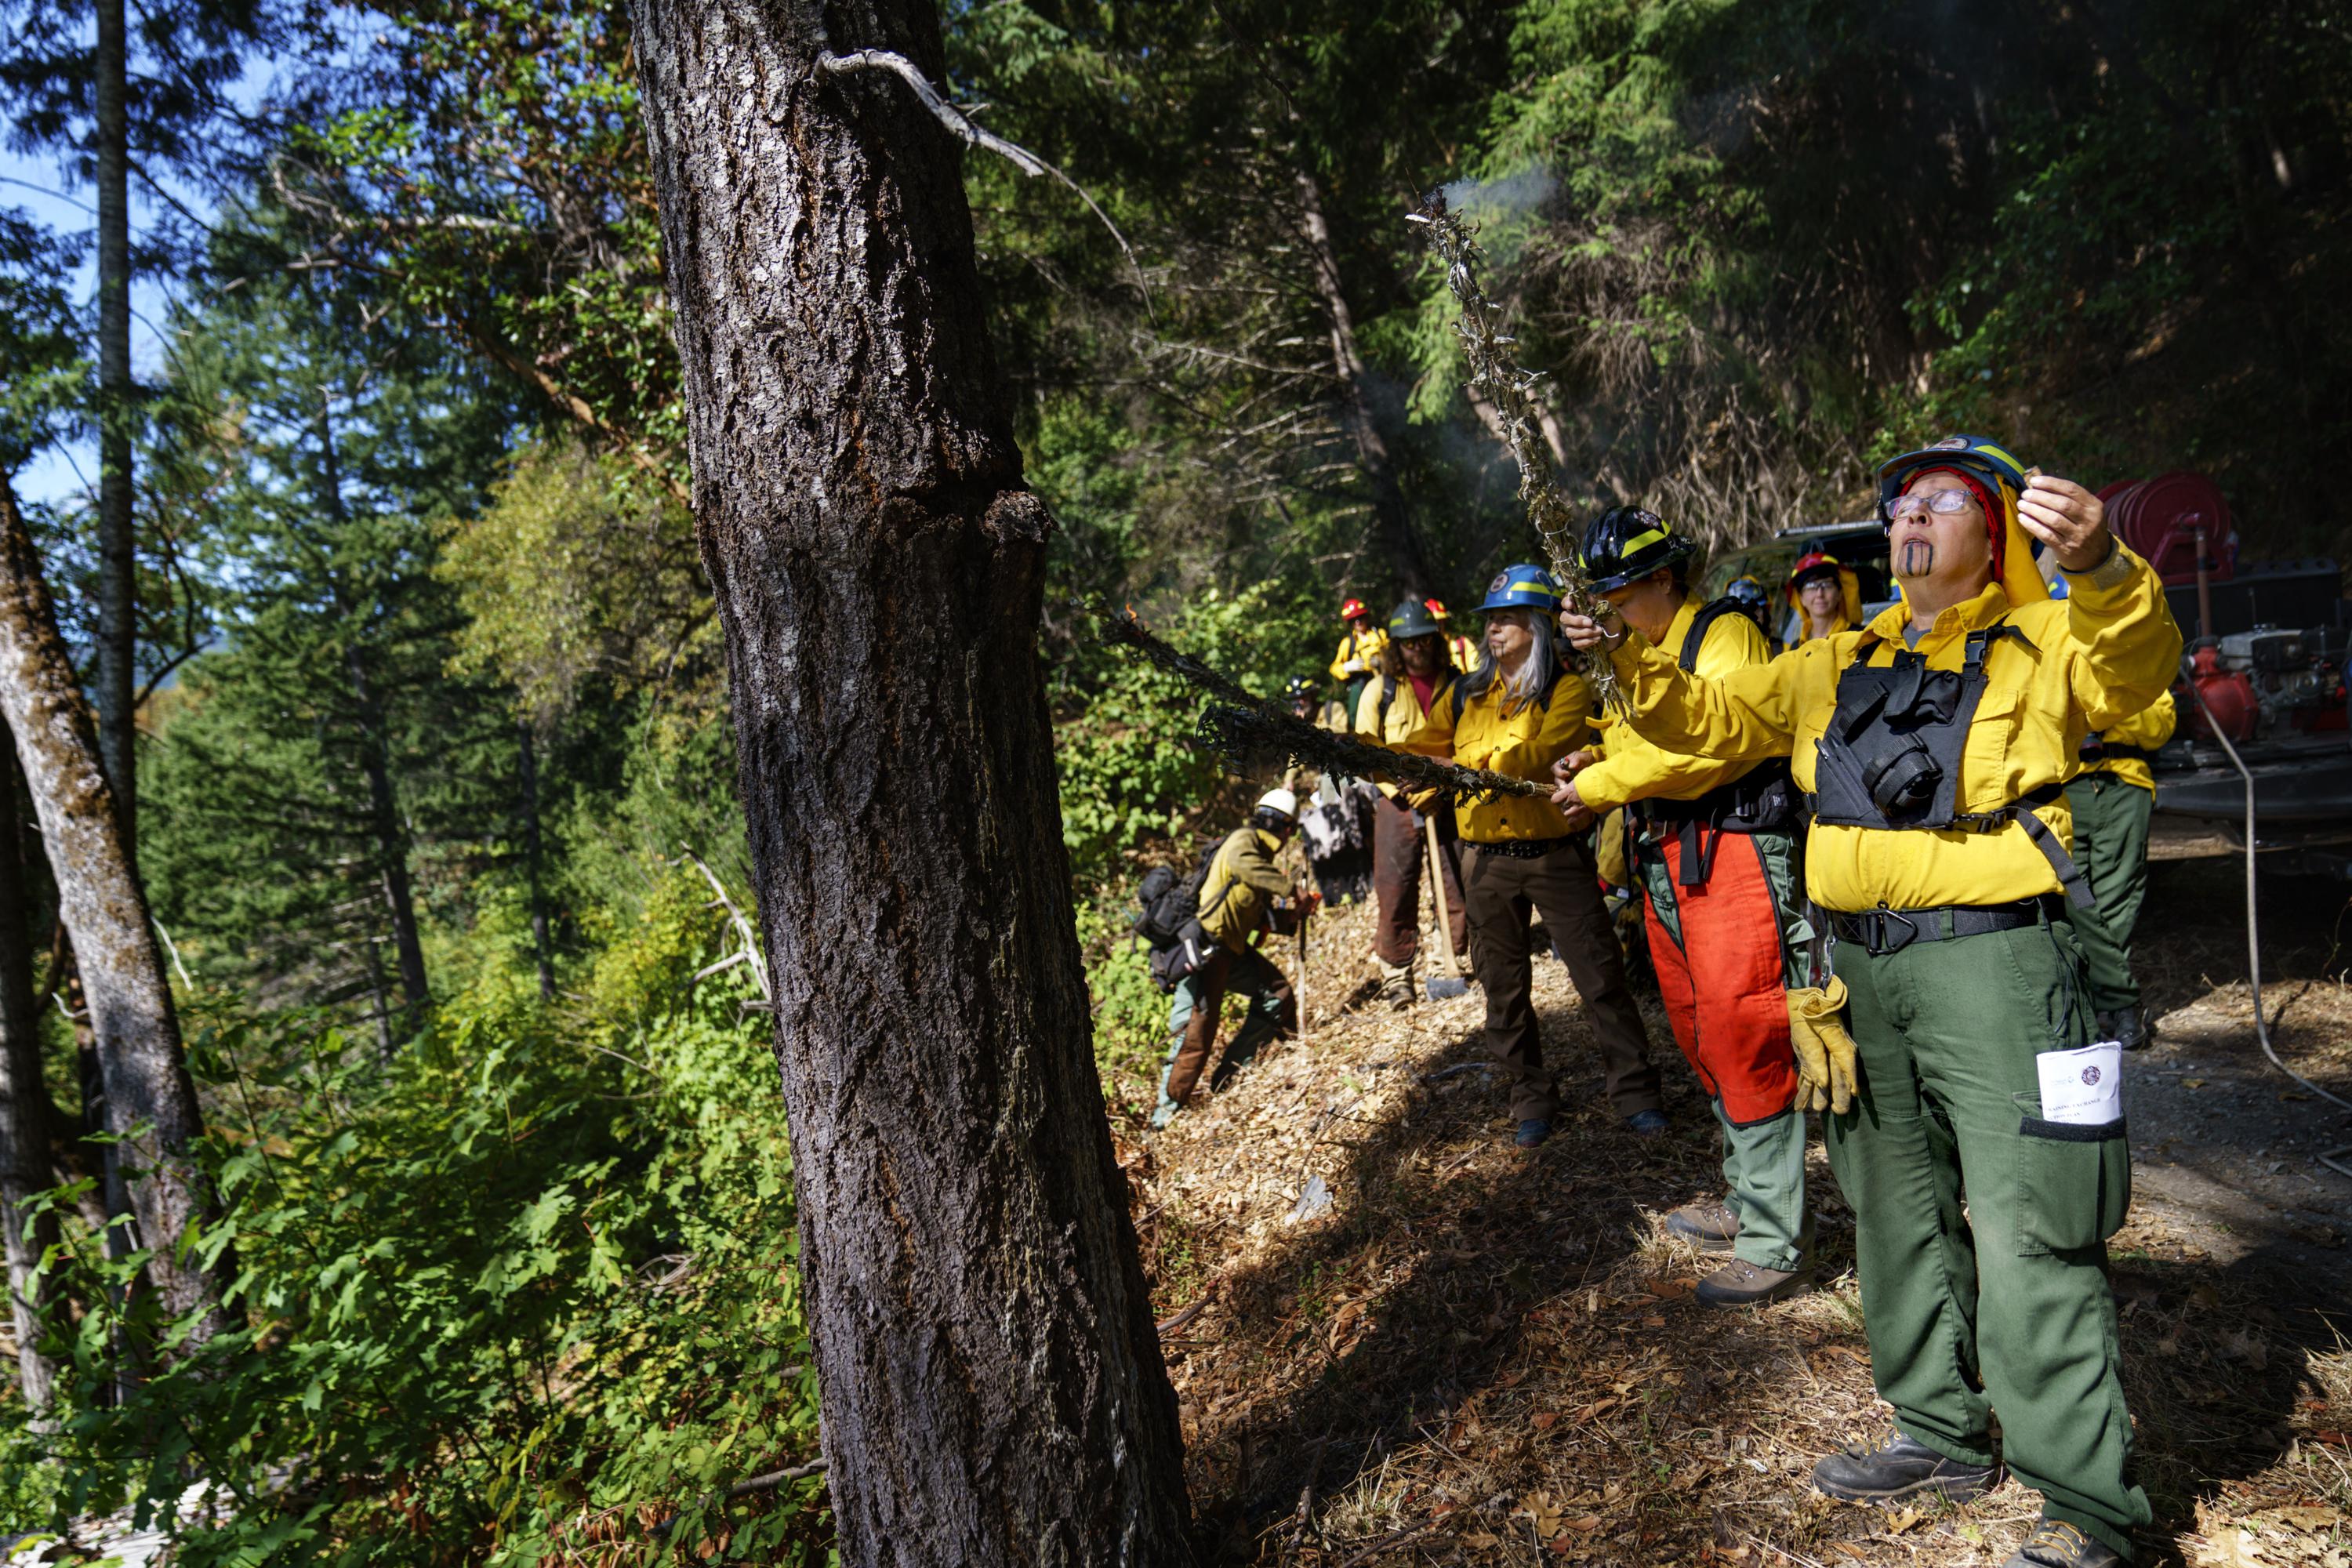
(2111,847)
(2005,1307)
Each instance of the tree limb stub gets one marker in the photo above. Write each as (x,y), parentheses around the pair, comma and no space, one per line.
(973,134)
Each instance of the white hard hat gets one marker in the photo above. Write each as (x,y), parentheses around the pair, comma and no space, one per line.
(1279,800)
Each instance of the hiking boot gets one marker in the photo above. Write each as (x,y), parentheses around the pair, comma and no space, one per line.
(1532,1133)
(1740,1283)
(1900,1467)
(2055,1544)
(1396,983)
(1647,1123)
(1714,1227)
(2132,1032)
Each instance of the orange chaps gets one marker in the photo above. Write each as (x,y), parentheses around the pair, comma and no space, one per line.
(1717,951)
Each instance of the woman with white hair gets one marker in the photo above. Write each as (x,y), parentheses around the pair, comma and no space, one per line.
(1517,712)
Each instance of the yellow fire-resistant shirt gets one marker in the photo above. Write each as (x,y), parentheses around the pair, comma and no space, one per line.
(2148,731)
(1523,743)
(1633,768)
(1242,881)
(1359,649)
(2097,657)
(1403,719)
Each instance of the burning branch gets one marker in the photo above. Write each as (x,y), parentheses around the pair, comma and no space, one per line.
(1495,373)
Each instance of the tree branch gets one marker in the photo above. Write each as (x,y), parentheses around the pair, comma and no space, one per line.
(973,134)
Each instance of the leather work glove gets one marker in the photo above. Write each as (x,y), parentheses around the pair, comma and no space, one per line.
(1825,1067)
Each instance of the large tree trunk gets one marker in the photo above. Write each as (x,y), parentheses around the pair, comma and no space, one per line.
(117,412)
(992,1386)
(151,1102)
(28,1117)
(1392,531)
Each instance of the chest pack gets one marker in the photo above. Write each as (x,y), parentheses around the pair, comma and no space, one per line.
(1891,757)
(1762,800)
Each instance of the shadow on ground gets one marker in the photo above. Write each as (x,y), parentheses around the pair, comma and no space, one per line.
(1479,1355)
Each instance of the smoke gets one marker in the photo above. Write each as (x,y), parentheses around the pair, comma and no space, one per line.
(1519,192)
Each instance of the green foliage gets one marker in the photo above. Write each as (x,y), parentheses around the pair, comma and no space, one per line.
(1127,745)
(46,375)
(527,1292)
(332,453)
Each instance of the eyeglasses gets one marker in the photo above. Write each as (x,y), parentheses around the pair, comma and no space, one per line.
(1943,502)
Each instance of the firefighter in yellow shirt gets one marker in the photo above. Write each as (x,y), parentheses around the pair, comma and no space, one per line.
(1463,650)
(1826,596)
(1351,665)
(1415,670)
(1977,1140)
(2113,799)
(1519,712)
(1713,850)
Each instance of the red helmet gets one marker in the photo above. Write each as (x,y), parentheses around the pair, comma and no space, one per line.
(1813,563)
(1352,608)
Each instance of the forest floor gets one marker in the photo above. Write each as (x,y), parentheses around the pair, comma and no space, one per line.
(1475,1355)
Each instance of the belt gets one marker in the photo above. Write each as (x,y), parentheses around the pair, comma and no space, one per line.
(1884,930)
(1520,849)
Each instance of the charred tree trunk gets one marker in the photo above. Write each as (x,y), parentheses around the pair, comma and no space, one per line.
(118,612)
(151,1101)
(993,1387)
(541,942)
(28,1117)
(1399,541)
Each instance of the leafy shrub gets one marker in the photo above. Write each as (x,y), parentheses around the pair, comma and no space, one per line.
(526,1293)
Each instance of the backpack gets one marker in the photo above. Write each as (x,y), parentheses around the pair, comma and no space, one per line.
(1166,902)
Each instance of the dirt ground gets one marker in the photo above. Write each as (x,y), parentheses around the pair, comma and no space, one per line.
(1397,1340)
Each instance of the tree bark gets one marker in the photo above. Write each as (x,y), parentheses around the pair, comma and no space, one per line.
(116,414)
(151,1101)
(541,942)
(1392,529)
(28,1117)
(992,1387)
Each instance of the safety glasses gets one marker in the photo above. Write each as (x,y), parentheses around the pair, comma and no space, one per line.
(1942,503)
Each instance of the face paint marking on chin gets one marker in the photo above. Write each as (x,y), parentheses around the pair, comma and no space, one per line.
(1918,558)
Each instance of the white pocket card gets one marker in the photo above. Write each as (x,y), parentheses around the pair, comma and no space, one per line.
(2083,1086)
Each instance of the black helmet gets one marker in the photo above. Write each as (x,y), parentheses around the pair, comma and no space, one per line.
(1412,618)
(1749,595)
(1626,543)
(1298,686)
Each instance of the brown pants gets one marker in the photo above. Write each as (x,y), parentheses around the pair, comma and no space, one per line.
(1273,1015)
(1398,849)
(1560,886)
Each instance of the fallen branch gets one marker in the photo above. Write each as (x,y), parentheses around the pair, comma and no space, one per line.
(743,930)
(775,1479)
(1379,1543)
(1245,723)
(1186,1316)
